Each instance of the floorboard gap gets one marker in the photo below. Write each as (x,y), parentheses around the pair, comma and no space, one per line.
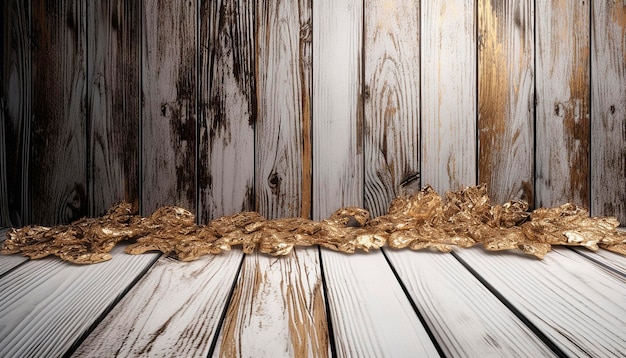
(108,310)
(329,321)
(545,339)
(220,323)
(419,314)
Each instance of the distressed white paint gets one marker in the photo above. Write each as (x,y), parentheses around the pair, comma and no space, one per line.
(277,309)
(467,319)
(337,113)
(371,315)
(448,90)
(48,304)
(172,311)
(578,305)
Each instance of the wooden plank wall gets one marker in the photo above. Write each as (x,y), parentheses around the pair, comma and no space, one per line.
(298,108)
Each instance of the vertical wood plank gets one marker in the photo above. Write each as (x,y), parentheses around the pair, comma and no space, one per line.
(277,308)
(227,108)
(392,102)
(283,126)
(15,112)
(337,105)
(169,100)
(113,103)
(448,81)
(562,136)
(58,158)
(608,110)
(506,99)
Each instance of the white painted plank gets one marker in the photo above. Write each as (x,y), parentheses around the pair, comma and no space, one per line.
(466,319)
(173,311)
(448,89)
(608,109)
(575,303)
(8,262)
(370,314)
(337,112)
(562,110)
(391,101)
(604,257)
(47,304)
(283,126)
(277,308)
(506,98)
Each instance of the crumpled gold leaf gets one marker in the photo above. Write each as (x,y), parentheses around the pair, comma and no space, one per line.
(417,221)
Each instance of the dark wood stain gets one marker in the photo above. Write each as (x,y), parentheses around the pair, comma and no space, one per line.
(113,105)
(58,156)
(16,109)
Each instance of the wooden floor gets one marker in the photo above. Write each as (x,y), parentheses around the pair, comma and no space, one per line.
(469,303)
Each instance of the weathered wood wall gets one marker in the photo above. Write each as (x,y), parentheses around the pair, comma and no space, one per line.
(295,108)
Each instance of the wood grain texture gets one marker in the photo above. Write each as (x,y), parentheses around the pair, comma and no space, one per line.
(58,157)
(174,310)
(391,101)
(562,137)
(370,314)
(227,107)
(168,120)
(283,126)
(448,88)
(113,103)
(608,109)
(506,99)
(337,106)
(47,304)
(578,305)
(465,318)
(277,308)
(15,112)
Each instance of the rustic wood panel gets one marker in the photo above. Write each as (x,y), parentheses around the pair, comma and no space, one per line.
(173,310)
(391,100)
(465,318)
(448,90)
(227,107)
(283,126)
(46,305)
(562,137)
(113,55)
(168,120)
(506,99)
(337,105)
(370,314)
(277,308)
(608,108)
(58,157)
(15,112)
(576,304)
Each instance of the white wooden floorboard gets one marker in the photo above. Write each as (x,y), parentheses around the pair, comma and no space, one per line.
(47,304)
(173,311)
(370,314)
(466,319)
(606,258)
(577,304)
(7,262)
(277,308)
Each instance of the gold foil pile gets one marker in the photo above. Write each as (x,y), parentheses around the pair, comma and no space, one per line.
(418,221)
